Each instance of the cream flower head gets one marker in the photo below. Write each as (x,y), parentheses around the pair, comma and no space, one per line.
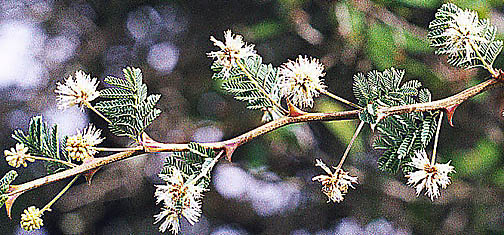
(78,91)
(232,50)
(81,146)
(179,199)
(19,156)
(301,80)
(30,219)
(334,185)
(458,32)
(464,32)
(428,176)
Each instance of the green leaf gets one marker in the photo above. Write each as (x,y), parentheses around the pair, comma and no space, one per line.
(428,129)
(258,89)
(5,183)
(43,141)
(7,180)
(190,163)
(131,109)
(119,83)
(116,93)
(399,136)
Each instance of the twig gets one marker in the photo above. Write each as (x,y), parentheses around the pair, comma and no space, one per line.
(442,104)
(261,130)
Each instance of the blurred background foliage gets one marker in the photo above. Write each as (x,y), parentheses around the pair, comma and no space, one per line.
(267,189)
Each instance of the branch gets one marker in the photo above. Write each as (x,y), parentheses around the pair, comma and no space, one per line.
(230,145)
(85,167)
(447,104)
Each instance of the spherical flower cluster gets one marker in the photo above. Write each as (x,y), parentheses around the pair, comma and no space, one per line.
(179,199)
(78,91)
(300,81)
(464,33)
(81,146)
(458,32)
(335,185)
(428,176)
(19,156)
(30,219)
(232,50)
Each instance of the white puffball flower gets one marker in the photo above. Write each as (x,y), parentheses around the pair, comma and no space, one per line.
(300,81)
(427,176)
(179,199)
(78,90)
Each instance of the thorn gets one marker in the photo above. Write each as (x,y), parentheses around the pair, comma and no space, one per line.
(146,139)
(230,148)
(89,174)
(500,76)
(294,111)
(11,199)
(148,143)
(449,113)
(373,126)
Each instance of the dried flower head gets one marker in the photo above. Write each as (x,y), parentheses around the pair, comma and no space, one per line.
(81,146)
(335,185)
(300,80)
(456,31)
(78,91)
(179,199)
(428,176)
(19,156)
(30,219)
(233,49)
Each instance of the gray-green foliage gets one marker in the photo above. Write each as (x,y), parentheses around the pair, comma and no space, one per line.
(399,136)
(258,90)
(130,109)
(191,162)
(43,141)
(5,183)
(469,42)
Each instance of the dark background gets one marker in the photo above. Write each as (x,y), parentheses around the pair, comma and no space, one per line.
(268,188)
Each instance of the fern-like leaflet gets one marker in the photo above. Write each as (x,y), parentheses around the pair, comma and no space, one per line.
(191,163)
(256,85)
(130,109)
(43,141)
(5,183)
(468,41)
(399,136)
